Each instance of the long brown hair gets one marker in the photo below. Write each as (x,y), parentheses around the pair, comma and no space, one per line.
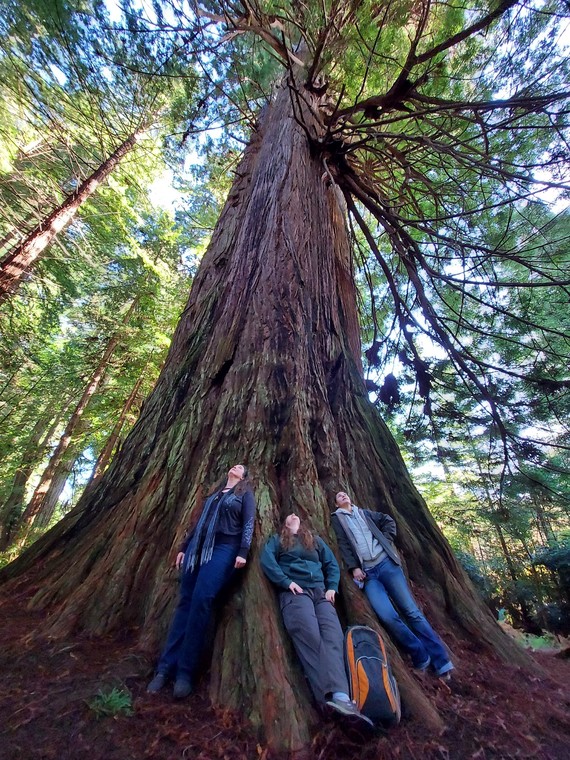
(304,535)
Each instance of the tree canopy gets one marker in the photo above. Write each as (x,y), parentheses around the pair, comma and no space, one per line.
(445,135)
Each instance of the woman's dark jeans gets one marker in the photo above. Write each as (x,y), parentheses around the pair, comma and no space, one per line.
(199,588)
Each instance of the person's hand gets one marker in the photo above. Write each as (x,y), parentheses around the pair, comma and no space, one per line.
(358,574)
(240,562)
(179,560)
(330,595)
(295,588)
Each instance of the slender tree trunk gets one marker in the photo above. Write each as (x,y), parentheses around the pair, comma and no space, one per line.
(106,452)
(12,509)
(264,368)
(42,496)
(535,575)
(526,617)
(506,553)
(51,498)
(482,558)
(542,523)
(17,264)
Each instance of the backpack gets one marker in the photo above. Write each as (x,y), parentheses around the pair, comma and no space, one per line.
(372,683)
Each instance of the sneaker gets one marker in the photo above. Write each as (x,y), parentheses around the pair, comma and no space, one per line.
(445,671)
(157,683)
(423,666)
(182,688)
(349,710)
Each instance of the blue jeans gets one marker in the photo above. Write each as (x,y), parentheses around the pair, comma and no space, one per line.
(385,587)
(198,590)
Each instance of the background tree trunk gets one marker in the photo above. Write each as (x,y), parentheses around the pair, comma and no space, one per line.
(106,452)
(41,497)
(56,486)
(264,368)
(17,263)
(525,617)
(542,523)
(12,509)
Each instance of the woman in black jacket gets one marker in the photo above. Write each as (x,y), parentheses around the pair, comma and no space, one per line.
(307,574)
(207,558)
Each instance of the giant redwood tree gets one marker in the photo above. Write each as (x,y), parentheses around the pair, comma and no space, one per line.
(366,140)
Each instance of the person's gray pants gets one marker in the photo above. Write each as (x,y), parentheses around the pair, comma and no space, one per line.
(312,623)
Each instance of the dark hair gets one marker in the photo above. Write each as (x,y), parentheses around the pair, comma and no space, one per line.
(243,486)
(304,535)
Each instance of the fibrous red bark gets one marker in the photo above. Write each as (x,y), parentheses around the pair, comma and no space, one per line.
(264,368)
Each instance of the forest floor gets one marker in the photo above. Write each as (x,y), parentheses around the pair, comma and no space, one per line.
(490,710)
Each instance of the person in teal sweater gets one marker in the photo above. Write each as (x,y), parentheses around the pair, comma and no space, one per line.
(307,575)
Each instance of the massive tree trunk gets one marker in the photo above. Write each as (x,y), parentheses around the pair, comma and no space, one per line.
(18,262)
(264,368)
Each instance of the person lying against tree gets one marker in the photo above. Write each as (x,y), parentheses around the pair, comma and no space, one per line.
(207,559)
(307,574)
(366,543)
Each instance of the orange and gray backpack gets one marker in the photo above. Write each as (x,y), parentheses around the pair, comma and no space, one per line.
(372,683)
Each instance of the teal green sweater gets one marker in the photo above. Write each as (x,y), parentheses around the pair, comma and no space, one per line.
(310,568)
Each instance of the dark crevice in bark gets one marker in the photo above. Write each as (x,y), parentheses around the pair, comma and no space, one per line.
(219,377)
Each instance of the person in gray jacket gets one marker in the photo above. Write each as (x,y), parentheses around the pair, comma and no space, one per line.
(366,543)
(307,574)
